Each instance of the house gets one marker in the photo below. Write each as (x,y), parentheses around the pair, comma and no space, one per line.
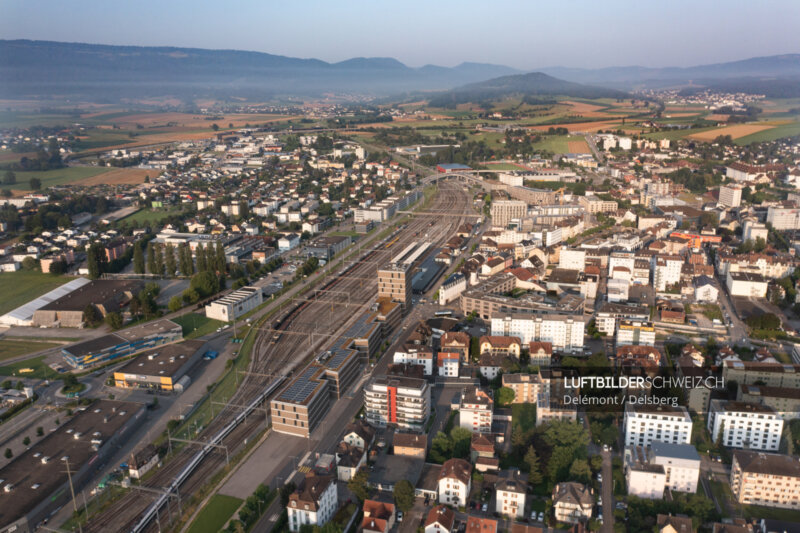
(440,520)
(455,482)
(359,434)
(289,241)
(348,460)
(447,364)
(313,503)
(378,517)
(667,523)
(410,444)
(705,289)
(572,502)
(490,364)
(475,410)
(456,341)
(496,344)
(541,353)
(477,524)
(481,445)
(143,462)
(510,495)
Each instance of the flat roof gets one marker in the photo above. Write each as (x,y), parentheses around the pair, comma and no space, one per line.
(678,451)
(94,345)
(100,420)
(304,386)
(98,291)
(148,329)
(163,361)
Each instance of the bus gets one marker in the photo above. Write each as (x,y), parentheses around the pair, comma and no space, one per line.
(443,313)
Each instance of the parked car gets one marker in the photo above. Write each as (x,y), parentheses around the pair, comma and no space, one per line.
(485,507)
(533,515)
(399,516)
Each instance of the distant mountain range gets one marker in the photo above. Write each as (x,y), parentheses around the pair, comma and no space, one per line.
(101,73)
(46,69)
(533,84)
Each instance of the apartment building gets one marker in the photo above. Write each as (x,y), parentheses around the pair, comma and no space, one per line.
(681,464)
(526,387)
(475,411)
(643,478)
(783,218)
(646,424)
(541,354)
(397,400)
(667,271)
(313,503)
(593,204)
(563,332)
(504,211)
(610,314)
(455,482)
(572,259)
(730,195)
(745,425)
(635,333)
(752,231)
(770,374)
(784,400)
(747,285)
(416,355)
(768,479)
(572,502)
(510,495)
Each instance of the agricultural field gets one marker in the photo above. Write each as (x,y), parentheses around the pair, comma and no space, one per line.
(22,286)
(739,130)
(59,176)
(558,144)
(578,147)
(119,176)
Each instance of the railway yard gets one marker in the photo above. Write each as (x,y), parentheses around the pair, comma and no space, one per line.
(284,344)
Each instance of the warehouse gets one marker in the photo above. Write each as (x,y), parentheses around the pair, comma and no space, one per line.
(161,368)
(35,483)
(235,304)
(105,295)
(327,247)
(124,342)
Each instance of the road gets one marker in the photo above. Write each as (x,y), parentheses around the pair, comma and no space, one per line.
(608,494)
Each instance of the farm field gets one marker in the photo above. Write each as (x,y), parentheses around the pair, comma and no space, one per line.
(22,286)
(560,144)
(784,130)
(15,348)
(119,176)
(59,176)
(740,130)
(578,147)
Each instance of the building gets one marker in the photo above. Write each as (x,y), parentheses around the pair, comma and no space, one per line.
(35,484)
(475,411)
(416,355)
(396,400)
(572,502)
(495,345)
(410,444)
(452,288)
(705,289)
(681,465)
(359,434)
(752,231)
(504,211)
(643,478)
(348,460)
(440,519)
(784,400)
(667,271)
(634,333)
(378,517)
(769,374)
(394,282)
(455,482)
(541,354)
(747,285)
(645,424)
(124,342)
(593,204)
(476,524)
(451,167)
(313,503)
(730,195)
(745,425)
(143,461)
(327,247)
(288,242)
(526,387)
(610,314)
(572,259)
(510,493)
(667,523)
(67,311)
(768,479)
(160,369)
(302,404)
(783,218)
(235,304)
(563,332)
(447,364)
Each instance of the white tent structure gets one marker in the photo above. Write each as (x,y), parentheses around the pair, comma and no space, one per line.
(23,315)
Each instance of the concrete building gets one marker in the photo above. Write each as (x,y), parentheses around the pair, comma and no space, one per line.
(634,333)
(783,218)
(593,204)
(504,211)
(767,479)
(160,369)
(448,364)
(288,242)
(327,247)
(572,259)
(394,282)
(611,314)
(643,478)
(645,424)
(526,387)
(235,304)
(769,374)
(564,333)
(475,411)
(452,288)
(752,231)
(396,400)
(747,285)
(681,465)
(302,404)
(455,482)
(313,503)
(784,400)
(730,195)
(745,425)
(667,271)
(572,502)
(416,355)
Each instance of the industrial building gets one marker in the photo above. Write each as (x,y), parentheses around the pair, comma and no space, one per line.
(327,247)
(235,304)
(23,315)
(162,369)
(105,295)
(36,483)
(124,342)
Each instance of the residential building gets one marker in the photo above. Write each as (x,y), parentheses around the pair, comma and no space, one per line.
(510,493)
(440,519)
(572,259)
(563,332)
(634,333)
(572,502)
(452,288)
(416,355)
(504,211)
(747,285)
(475,410)
(410,444)
(359,434)
(752,231)
(768,479)
(610,314)
(526,387)
(455,482)
(404,402)
(784,400)
(646,424)
(681,465)
(745,425)
(500,345)
(730,195)
(667,271)
(643,478)
(476,524)
(667,523)
(447,364)
(313,503)
(378,517)
(783,218)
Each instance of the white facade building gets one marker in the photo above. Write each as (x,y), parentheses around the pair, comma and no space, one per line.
(746,284)
(424,358)
(644,425)
(452,288)
(235,304)
(783,218)
(314,503)
(730,195)
(475,411)
(752,231)
(745,425)
(563,332)
(572,259)
(667,271)
(635,333)
(455,482)
(681,465)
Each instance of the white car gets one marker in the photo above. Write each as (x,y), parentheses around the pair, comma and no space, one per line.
(533,515)
(541,516)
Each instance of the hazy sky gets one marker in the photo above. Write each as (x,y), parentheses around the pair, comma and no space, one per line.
(525,34)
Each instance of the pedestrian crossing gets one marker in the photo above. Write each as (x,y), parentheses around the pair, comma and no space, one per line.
(304,469)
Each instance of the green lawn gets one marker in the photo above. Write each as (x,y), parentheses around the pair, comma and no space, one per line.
(711,311)
(215,514)
(502,166)
(757,511)
(14,348)
(151,216)
(196,325)
(37,364)
(20,287)
(59,176)
(523,415)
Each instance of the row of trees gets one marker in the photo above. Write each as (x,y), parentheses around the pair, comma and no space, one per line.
(167,260)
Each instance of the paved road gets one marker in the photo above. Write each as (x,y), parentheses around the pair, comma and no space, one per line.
(608,494)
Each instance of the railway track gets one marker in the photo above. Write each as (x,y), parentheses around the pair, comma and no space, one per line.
(300,329)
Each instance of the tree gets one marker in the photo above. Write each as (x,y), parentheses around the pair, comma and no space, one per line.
(91,315)
(9,178)
(39,431)
(151,258)
(200,253)
(358,485)
(505,396)
(580,471)
(26,441)
(35,184)
(169,260)
(114,319)
(215,126)
(220,255)
(7,193)
(9,454)
(205,283)
(404,495)
(175,303)
(534,470)
(138,258)
(461,438)
(160,260)
(190,296)
(29,263)
(96,260)
(286,491)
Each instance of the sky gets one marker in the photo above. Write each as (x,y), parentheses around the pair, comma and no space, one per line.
(524,34)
